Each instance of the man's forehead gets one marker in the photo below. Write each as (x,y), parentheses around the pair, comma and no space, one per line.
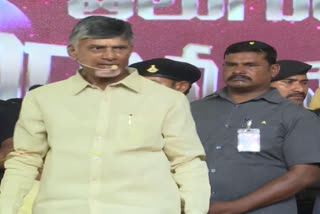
(245,56)
(98,41)
(297,77)
(158,79)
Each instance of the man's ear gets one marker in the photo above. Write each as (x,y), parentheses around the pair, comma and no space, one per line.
(72,52)
(182,86)
(275,68)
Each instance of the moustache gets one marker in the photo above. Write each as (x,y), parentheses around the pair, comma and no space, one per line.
(238,77)
(297,94)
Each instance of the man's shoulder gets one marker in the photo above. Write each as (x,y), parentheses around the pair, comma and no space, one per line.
(289,113)
(52,89)
(288,107)
(157,90)
(207,100)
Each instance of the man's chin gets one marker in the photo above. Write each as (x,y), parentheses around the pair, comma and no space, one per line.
(297,100)
(103,73)
(240,87)
(238,84)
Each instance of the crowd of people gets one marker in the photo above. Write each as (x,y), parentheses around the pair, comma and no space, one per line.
(119,138)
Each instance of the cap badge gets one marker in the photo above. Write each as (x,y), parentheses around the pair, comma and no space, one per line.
(251,43)
(152,69)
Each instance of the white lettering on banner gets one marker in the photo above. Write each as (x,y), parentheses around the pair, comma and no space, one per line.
(189,9)
(274,10)
(236,10)
(40,55)
(11,65)
(146,9)
(316,9)
(121,9)
(216,10)
(39,60)
(39,63)
(314,75)
(124,9)
(135,57)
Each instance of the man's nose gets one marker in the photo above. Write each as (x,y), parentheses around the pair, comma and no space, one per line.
(239,69)
(299,87)
(109,54)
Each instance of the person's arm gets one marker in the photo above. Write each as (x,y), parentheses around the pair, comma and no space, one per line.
(297,178)
(30,146)
(186,155)
(5,149)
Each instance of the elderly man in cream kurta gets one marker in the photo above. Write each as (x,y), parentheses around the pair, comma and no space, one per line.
(113,141)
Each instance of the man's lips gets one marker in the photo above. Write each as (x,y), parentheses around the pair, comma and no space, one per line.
(296,96)
(108,67)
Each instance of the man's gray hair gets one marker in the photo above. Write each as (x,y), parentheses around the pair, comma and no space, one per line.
(100,27)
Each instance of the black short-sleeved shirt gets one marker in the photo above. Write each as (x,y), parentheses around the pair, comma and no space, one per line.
(4,120)
(289,135)
(9,112)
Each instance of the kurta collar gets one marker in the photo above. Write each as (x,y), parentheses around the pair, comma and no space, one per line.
(132,81)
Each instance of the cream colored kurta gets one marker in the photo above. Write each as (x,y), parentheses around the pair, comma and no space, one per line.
(107,152)
(29,199)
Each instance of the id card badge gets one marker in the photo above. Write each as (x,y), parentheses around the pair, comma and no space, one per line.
(248,140)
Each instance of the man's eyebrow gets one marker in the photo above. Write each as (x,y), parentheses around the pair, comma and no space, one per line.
(230,63)
(249,63)
(120,46)
(290,78)
(96,45)
(242,63)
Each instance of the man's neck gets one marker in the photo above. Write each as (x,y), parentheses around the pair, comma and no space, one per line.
(239,96)
(102,83)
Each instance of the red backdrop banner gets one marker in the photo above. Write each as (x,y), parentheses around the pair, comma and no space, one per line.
(34,34)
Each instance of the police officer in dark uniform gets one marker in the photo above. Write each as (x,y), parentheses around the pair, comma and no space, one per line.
(292,80)
(174,74)
(292,83)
